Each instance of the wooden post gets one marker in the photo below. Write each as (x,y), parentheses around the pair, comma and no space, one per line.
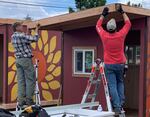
(5,65)
(148,70)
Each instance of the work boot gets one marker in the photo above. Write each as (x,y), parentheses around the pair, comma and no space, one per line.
(30,102)
(117,111)
(22,105)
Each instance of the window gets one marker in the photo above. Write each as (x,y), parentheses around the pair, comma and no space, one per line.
(133,54)
(138,55)
(83,58)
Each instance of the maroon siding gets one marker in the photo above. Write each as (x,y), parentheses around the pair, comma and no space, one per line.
(140,25)
(75,87)
(148,70)
(4,29)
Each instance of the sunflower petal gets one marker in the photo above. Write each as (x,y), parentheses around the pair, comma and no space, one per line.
(54,85)
(14,92)
(57,71)
(50,57)
(11,61)
(44,85)
(57,57)
(44,35)
(51,67)
(11,77)
(46,49)
(14,67)
(33,45)
(10,47)
(49,77)
(40,45)
(15,81)
(47,95)
(53,44)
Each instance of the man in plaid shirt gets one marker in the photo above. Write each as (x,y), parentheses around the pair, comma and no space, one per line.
(25,68)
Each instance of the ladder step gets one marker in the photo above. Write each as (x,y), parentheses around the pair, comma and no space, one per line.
(90,96)
(95,82)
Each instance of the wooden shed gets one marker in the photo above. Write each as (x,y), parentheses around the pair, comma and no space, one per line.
(81,45)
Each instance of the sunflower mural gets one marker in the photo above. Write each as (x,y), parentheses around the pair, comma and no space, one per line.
(48,51)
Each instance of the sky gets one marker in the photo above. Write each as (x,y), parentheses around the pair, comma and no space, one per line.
(38,12)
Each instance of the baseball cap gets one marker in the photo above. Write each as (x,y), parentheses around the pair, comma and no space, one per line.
(111,25)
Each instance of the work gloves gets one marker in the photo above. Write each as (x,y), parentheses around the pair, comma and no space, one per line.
(119,8)
(105,11)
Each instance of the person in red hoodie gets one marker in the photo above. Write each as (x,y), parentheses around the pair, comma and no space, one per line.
(114,57)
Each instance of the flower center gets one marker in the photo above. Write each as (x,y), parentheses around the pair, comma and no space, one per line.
(41,65)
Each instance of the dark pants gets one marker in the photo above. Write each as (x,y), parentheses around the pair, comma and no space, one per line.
(26,80)
(114,74)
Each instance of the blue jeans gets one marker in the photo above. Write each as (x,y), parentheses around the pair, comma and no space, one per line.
(114,74)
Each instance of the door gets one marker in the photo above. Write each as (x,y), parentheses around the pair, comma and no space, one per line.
(133,73)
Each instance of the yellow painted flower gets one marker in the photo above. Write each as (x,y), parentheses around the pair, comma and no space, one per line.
(49,66)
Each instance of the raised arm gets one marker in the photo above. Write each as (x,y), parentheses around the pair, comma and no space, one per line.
(30,38)
(99,27)
(127,25)
(125,17)
(34,38)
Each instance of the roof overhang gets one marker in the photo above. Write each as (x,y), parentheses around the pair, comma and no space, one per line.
(9,21)
(87,18)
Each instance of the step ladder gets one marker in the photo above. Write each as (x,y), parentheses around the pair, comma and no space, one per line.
(96,77)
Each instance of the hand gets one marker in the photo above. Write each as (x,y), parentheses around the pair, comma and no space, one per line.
(105,11)
(119,8)
(38,25)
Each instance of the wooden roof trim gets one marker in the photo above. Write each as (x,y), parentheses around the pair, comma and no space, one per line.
(85,14)
(70,17)
(8,21)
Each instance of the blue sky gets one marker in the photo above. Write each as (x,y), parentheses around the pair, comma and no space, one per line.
(20,11)
(67,3)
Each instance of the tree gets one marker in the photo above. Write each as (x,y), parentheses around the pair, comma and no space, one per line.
(71,10)
(134,5)
(28,18)
(86,4)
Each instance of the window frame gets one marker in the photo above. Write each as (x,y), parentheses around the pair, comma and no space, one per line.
(134,55)
(83,49)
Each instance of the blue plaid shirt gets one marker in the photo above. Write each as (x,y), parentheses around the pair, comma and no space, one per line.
(21,43)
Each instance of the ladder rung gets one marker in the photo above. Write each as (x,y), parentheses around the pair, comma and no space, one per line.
(90,96)
(95,82)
